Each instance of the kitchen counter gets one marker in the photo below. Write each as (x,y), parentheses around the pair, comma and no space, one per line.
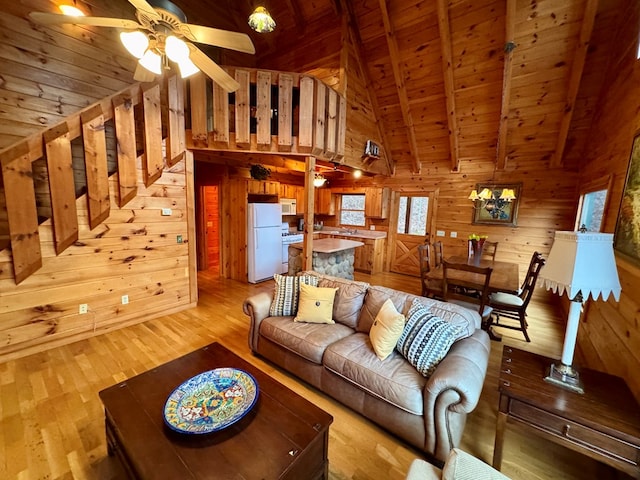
(367,234)
(331,256)
(330,245)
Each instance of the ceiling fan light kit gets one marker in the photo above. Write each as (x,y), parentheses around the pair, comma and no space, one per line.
(71,10)
(162,34)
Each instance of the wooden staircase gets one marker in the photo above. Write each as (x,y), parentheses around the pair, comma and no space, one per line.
(138,137)
(272,113)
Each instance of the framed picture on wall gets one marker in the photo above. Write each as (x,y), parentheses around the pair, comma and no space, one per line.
(627,235)
(497,204)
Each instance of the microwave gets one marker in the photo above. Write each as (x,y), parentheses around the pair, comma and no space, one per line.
(288,206)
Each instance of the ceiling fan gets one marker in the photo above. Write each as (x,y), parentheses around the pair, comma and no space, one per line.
(162,34)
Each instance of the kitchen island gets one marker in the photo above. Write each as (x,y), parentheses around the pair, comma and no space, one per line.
(331,256)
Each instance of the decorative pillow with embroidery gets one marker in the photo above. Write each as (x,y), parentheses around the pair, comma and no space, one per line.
(386,329)
(316,304)
(426,339)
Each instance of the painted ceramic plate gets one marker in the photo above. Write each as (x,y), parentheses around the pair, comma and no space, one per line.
(211,401)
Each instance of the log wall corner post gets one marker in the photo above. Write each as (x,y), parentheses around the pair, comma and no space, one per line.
(309,208)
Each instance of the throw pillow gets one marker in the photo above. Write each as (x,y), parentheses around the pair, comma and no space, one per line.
(426,339)
(386,329)
(316,304)
(287,292)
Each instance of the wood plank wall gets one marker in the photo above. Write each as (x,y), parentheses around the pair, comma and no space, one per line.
(609,335)
(135,253)
(47,73)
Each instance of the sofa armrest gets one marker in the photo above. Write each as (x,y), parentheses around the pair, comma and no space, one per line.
(257,308)
(453,391)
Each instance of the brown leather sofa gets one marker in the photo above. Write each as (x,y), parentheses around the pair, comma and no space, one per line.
(338,359)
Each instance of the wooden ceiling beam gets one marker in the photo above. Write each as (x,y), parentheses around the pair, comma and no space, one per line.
(577,69)
(449,87)
(300,22)
(509,45)
(360,56)
(399,76)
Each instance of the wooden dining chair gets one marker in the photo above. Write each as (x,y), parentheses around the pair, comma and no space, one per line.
(430,288)
(514,307)
(461,277)
(489,250)
(437,254)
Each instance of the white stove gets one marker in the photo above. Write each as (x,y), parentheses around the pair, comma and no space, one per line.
(288,238)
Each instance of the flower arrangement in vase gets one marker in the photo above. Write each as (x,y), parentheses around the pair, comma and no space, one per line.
(476,245)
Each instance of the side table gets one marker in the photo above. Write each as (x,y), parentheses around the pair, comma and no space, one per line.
(603,423)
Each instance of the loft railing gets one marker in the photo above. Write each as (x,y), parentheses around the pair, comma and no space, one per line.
(271,112)
(138,138)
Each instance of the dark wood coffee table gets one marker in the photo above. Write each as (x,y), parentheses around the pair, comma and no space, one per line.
(283,437)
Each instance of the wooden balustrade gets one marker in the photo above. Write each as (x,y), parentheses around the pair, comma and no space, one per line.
(54,144)
(271,112)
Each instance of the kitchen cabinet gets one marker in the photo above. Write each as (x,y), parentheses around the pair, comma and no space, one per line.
(376,202)
(288,191)
(324,202)
(370,257)
(263,188)
(300,200)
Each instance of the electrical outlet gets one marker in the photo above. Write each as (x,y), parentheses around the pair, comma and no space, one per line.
(179,239)
(83,308)
(454,234)
(125,299)
(440,233)
(166,212)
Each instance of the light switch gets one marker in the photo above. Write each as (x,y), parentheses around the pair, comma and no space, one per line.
(454,234)
(440,233)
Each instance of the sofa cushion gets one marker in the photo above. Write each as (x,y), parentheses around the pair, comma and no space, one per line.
(426,339)
(386,330)
(349,297)
(316,304)
(394,380)
(286,293)
(309,340)
(375,298)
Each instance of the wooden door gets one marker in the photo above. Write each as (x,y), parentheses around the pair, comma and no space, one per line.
(410,226)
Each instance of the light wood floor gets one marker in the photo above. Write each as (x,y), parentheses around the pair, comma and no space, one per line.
(52,426)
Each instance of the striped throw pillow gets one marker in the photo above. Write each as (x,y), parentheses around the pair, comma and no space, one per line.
(426,339)
(287,292)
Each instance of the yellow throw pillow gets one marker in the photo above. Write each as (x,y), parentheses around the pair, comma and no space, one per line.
(386,329)
(315,304)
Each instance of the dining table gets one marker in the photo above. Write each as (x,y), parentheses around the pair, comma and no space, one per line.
(504,277)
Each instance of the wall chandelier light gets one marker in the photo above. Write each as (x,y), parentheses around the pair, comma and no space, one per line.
(261,21)
(493,201)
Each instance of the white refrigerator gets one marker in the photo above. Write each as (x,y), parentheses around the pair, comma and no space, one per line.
(264,241)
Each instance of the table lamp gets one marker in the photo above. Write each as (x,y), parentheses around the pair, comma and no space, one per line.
(582,264)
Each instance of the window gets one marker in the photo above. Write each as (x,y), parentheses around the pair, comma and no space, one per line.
(352,210)
(592,210)
(412,215)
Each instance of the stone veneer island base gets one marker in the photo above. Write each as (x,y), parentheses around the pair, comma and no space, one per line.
(331,256)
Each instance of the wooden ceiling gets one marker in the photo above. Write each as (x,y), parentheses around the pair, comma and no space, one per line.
(452,81)
(448,83)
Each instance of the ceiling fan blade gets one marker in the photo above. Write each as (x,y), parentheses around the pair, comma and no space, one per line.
(145,7)
(143,75)
(56,18)
(212,70)
(220,38)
